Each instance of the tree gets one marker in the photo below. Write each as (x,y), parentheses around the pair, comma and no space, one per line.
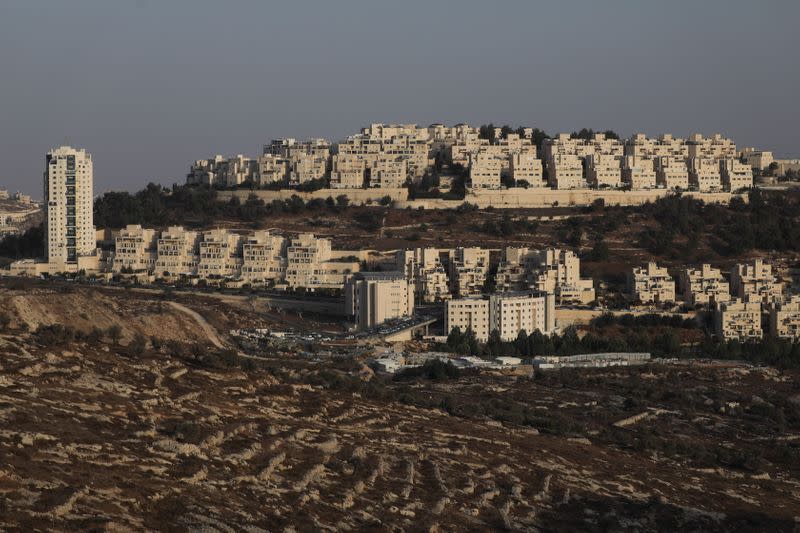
(114,333)
(342,200)
(137,345)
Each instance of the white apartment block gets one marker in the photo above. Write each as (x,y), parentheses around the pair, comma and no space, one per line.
(704,174)
(558,272)
(603,171)
(715,147)
(220,254)
(738,320)
(565,171)
(784,319)
(240,169)
(485,171)
(309,264)
(525,166)
(372,298)
(307,167)
(508,313)
(289,148)
(467,145)
(207,171)
(426,268)
(388,172)
(135,249)
(263,257)
(348,171)
(651,284)
(468,270)
(704,285)
(671,173)
(68,205)
(468,314)
(756,159)
(735,174)
(638,173)
(272,169)
(641,146)
(755,282)
(176,252)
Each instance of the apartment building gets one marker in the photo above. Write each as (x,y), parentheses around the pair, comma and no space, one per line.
(738,320)
(272,169)
(641,146)
(427,268)
(735,175)
(755,282)
(238,170)
(756,159)
(465,146)
(704,285)
(372,298)
(603,171)
(389,172)
(135,249)
(565,171)
(263,257)
(514,271)
(176,252)
(508,313)
(784,319)
(220,254)
(309,264)
(638,173)
(207,171)
(468,314)
(671,173)
(651,284)
(289,148)
(485,171)
(715,147)
(526,167)
(468,269)
(704,174)
(307,167)
(348,171)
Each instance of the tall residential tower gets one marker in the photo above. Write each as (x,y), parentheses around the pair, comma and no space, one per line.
(68,197)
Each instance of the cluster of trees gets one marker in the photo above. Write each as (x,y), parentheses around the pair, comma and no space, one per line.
(486,131)
(507,226)
(650,319)
(29,243)
(768,221)
(588,134)
(779,353)
(194,206)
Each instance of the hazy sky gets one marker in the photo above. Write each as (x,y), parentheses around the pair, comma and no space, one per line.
(149,86)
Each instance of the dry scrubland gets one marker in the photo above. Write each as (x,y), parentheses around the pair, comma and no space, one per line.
(94,437)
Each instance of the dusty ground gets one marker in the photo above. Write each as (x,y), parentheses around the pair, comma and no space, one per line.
(96,438)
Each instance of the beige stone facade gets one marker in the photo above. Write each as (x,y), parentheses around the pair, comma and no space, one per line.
(784,319)
(372,298)
(134,249)
(735,175)
(671,173)
(704,174)
(755,282)
(176,252)
(468,270)
(738,320)
(704,285)
(507,313)
(651,284)
(263,257)
(639,173)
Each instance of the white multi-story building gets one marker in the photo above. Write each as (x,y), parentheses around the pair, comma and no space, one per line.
(715,147)
(508,313)
(565,171)
(220,254)
(638,173)
(135,249)
(468,270)
(372,298)
(272,169)
(389,172)
(704,174)
(755,282)
(263,257)
(426,268)
(704,286)
(671,173)
(784,319)
(348,171)
(738,320)
(735,175)
(68,206)
(309,264)
(651,284)
(485,171)
(176,252)
(526,167)
(603,171)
